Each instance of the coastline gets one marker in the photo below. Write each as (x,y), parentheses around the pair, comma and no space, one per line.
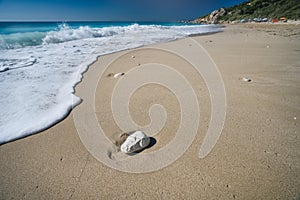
(257,155)
(70,56)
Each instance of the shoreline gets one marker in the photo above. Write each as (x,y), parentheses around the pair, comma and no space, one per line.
(31,129)
(257,155)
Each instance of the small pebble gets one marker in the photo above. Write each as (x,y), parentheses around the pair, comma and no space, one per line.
(295,118)
(247,79)
(132,56)
(110,75)
(268,46)
(117,75)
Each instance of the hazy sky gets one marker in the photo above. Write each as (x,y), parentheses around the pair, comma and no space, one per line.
(108,10)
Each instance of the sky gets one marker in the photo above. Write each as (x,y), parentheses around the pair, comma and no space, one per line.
(108,10)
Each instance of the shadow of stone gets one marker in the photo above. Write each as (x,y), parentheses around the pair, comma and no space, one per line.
(151,144)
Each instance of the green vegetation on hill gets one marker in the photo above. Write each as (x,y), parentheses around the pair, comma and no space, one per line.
(263,8)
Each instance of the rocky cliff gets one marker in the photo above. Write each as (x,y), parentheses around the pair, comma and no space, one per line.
(212,18)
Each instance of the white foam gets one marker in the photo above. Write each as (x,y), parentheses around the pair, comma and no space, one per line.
(15,63)
(36,82)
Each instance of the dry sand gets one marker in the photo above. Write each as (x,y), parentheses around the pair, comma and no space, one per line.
(256,157)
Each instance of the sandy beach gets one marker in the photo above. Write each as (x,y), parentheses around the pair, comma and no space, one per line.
(257,155)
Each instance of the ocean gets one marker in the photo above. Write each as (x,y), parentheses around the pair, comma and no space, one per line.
(41,62)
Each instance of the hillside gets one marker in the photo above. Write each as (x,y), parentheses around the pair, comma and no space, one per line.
(251,9)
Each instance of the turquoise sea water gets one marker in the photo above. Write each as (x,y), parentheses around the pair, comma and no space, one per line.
(20,34)
(21,27)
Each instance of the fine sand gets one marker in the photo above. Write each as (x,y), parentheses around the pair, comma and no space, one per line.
(257,155)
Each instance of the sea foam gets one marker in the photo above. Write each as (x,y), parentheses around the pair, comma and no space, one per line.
(38,70)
